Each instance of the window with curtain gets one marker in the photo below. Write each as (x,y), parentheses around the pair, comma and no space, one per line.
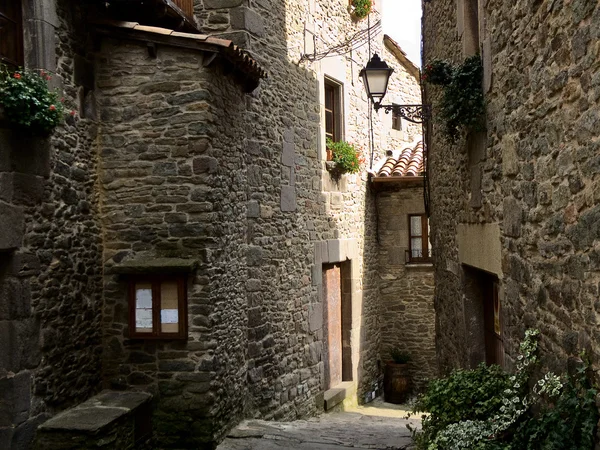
(11,33)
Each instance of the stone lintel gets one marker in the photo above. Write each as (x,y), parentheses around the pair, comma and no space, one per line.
(153,266)
(479,246)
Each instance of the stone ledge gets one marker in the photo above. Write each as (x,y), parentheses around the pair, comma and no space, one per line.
(153,266)
(425,267)
(338,394)
(98,412)
(111,419)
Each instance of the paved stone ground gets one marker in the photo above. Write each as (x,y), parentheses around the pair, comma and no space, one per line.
(378,426)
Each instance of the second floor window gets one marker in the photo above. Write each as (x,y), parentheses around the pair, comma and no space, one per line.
(333,110)
(11,33)
(419,246)
(396,121)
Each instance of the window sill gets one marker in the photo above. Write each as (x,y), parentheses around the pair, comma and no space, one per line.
(424,266)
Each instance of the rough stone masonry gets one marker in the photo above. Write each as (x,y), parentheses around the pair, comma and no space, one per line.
(520,201)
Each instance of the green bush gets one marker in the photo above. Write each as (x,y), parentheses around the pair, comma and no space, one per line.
(27,101)
(464,395)
(362,8)
(488,409)
(345,156)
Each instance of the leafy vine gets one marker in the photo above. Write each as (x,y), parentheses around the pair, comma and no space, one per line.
(462,105)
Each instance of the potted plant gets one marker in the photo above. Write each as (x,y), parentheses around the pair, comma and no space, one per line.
(396,379)
(28,103)
(359,9)
(344,156)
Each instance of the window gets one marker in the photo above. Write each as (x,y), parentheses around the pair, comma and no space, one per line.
(419,246)
(11,33)
(333,110)
(158,308)
(396,120)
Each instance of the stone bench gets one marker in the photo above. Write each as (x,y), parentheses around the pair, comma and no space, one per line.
(110,420)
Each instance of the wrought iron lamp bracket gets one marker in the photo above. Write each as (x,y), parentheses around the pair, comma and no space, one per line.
(412,113)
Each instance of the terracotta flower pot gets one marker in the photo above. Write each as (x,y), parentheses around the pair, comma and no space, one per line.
(396,382)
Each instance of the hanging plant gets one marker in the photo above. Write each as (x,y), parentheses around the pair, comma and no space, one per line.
(345,156)
(28,103)
(361,8)
(462,105)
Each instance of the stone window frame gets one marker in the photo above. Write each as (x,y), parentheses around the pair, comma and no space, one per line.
(156,281)
(425,244)
(337,109)
(17,21)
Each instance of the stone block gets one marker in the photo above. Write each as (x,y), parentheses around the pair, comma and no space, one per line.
(288,135)
(28,189)
(315,316)
(219,4)
(253,209)
(335,250)
(513,216)
(44,10)
(288,155)
(12,226)
(6,186)
(243,18)
(254,256)
(288,198)
(40,45)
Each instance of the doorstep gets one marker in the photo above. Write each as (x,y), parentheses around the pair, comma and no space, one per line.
(337,394)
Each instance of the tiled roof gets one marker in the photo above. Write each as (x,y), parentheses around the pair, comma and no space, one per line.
(405,163)
(238,57)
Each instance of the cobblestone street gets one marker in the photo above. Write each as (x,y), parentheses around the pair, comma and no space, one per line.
(378,426)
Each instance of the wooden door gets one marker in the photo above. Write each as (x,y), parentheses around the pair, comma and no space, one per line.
(332,296)
(494,346)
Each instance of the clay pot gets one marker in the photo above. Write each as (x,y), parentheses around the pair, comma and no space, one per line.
(396,382)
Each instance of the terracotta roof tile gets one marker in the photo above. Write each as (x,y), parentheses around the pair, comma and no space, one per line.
(405,163)
(241,59)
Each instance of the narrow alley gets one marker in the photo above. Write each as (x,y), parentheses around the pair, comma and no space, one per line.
(378,425)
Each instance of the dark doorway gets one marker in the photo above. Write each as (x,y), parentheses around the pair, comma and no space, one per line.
(483,318)
(337,324)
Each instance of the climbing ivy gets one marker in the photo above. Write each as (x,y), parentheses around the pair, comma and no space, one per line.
(462,105)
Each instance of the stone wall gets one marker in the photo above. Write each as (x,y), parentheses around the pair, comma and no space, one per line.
(531,176)
(50,265)
(407,315)
(174,185)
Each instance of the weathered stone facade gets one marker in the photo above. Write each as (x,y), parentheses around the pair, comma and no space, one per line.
(519,201)
(169,159)
(50,260)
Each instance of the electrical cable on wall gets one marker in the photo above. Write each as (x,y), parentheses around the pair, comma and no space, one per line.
(353,43)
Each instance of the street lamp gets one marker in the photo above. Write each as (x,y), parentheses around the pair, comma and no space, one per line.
(376,77)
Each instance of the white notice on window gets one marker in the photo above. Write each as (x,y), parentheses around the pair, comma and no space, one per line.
(143,318)
(169,316)
(143,298)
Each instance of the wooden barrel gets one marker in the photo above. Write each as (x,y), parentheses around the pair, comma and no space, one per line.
(396,382)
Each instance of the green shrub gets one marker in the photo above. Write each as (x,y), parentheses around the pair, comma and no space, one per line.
(438,72)
(464,395)
(27,101)
(488,409)
(345,156)
(362,8)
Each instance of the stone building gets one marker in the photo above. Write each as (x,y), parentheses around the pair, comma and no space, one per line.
(181,234)
(514,209)
(406,284)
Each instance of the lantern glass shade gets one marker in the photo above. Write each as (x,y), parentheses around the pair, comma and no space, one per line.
(376,77)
